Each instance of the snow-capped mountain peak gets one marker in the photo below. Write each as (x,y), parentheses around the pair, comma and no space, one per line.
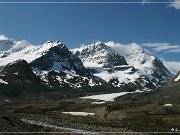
(21,45)
(52,62)
(25,50)
(108,61)
(132,52)
(59,67)
(99,54)
(49,44)
(128,67)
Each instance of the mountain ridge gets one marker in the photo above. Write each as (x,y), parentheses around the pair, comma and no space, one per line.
(96,66)
(138,63)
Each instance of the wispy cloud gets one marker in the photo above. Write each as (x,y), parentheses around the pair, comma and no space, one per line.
(159,47)
(175,50)
(173,66)
(3,37)
(175,4)
(145,1)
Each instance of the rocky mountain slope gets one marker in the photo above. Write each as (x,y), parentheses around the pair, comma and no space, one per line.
(59,67)
(52,65)
(128,67)
(99,66)
(168,94)
(177,77)
(18,72)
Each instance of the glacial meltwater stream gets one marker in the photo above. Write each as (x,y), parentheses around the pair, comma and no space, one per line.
(67,130)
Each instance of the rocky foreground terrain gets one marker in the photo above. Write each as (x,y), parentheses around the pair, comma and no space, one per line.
(135,112)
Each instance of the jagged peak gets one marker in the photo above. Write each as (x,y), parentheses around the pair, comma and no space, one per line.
(50,44)
(97,45)
(136,47)
(53,42)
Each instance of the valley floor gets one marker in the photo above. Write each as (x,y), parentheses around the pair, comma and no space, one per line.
(80,116)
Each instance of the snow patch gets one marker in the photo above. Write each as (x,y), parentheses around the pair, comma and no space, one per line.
(98,103)
(91,83)
(15,73)
(7,100)
(177,78)
(79,113)
(105,97)
(108,97)
(167,105)
(2,81)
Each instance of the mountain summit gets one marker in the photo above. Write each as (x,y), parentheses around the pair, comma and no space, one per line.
(121,66)
(96,67)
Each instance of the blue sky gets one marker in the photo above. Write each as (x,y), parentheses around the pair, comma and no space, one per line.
(76,24)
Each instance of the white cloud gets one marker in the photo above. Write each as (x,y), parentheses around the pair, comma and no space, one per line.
(175,50)
(144,1)
(148,1)
(167,47)
(175,4)
(3,37)
(158,47)
(173,66)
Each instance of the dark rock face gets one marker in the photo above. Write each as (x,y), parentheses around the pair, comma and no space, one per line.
(19,78)
(115,59)
(102,54)
(60,79)
(176,78)
(19,72)
(161,73)
(60,58)
(63,69)
(123,68)
(139,84)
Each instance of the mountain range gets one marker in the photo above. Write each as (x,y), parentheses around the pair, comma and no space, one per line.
(27,68)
